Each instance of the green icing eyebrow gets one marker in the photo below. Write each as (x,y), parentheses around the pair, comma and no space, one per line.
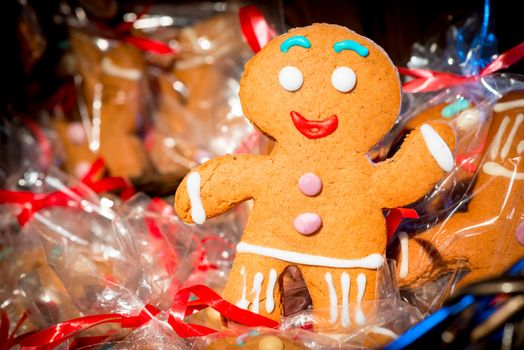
(351,45)
(297,40)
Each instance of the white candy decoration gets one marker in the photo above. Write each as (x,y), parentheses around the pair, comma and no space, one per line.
(291,78)
(344,79)
(198,214)
(437,148)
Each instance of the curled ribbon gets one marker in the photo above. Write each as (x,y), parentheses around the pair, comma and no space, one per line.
(426,80)
(9,340)
(33,202)
(149,45)
(53,336)
(255,28)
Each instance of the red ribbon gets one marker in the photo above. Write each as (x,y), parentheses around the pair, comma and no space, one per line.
(255,28)
(9,340)
(53,336)
(395,217)
(427,80)
(182,307)
(33,202)
(149,45)
(65,97)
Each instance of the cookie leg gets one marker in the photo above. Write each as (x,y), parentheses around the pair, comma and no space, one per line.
(338,294)
(253,284)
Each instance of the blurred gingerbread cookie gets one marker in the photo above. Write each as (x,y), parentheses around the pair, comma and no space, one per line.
(487,238)
(199,113)
(110,108)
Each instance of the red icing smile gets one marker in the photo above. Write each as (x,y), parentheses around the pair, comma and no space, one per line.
(314,129)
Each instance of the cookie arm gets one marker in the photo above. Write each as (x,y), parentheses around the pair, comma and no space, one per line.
(217,185)
(422,160)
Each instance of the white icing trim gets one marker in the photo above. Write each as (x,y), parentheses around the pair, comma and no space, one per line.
(360,318)
(110,68)
(403,238)
(257,290)
(345,283)
(520,147)
(495,145)
(504,106)
(243,303)
(372,261)
(438,149)
(384,331)
(333,306)
(198,214)
(270,291)
(495,169)
(505,150)
(96,120)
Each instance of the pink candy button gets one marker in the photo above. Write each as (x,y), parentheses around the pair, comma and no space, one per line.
(520,233)
(75,133)
(307,223)
(310,184)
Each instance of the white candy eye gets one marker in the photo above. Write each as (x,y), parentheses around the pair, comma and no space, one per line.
(343,79)
(290,78)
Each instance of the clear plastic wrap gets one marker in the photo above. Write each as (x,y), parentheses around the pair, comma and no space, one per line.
(467,225)
(97,254)
(198,113)
(102,111)
(154,95)
(80,253)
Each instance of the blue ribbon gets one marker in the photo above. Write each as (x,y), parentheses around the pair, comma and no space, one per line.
(483,47)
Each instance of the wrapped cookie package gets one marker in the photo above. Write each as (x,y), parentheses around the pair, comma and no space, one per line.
(468,226)
(163,83)
(78,253)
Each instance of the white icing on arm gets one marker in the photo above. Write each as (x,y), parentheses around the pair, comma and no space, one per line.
(110,68)
(270,301)
(345,283)
(372,261)
(333,307)
(403,238)
(438,148)
(504,106)
(198,214)
(361,285)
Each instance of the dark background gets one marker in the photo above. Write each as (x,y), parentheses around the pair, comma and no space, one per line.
(395,25)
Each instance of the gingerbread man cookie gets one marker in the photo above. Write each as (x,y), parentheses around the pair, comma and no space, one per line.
(487,238)
(110,109)
(326,95)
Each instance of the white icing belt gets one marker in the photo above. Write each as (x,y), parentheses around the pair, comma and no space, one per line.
(372,261)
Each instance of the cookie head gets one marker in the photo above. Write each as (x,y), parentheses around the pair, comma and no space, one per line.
(322,82)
